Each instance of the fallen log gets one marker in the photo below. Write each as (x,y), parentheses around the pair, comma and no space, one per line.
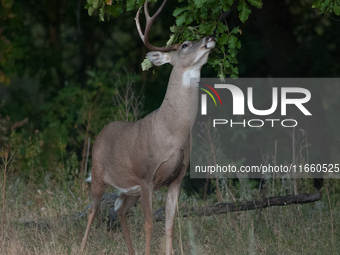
(245,206)
(109,215)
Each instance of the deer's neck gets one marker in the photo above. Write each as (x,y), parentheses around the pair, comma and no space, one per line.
(179,107)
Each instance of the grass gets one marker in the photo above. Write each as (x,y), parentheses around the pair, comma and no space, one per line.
(294,229)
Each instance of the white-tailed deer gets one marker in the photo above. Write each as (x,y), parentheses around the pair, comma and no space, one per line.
(141,157)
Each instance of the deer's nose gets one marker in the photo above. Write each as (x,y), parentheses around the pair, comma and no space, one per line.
(210,37)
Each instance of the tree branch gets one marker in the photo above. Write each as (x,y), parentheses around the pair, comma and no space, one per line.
(245,206)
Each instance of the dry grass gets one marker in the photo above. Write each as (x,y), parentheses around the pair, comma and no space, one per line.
(302,229)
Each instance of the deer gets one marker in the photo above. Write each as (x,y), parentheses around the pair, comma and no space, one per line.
(140,157)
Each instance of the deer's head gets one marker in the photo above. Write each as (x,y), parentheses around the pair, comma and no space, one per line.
(187,55)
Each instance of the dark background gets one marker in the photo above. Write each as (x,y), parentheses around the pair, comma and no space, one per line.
(60,68)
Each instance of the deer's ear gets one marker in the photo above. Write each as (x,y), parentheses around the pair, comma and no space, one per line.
(159,58)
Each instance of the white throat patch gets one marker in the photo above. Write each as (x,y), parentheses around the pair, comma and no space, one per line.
(192,73)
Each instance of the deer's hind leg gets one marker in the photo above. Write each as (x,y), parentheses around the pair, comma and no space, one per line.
(122,204)
(97,190)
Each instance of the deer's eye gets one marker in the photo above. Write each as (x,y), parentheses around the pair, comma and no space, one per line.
(184,46)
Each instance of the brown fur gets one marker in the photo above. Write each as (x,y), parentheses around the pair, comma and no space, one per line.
(153,152)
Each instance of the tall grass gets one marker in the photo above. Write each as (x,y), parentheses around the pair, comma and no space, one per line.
(38,221)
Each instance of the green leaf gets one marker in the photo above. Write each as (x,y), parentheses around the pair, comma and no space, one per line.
(178,11)
(198,3)
(174,29)
(221,28)
(146,65)
(232,58)
(130,5)
(223,39)
(90,11)
(216,10)
(226,63)
(244,10)
(234,75)
(232,41)
(256,3)
(115,10)
(223,49)
(188,35)
(232,52)
(317,4)
(181,19)
(101,13)
(235,30)
(190,18)
(238,44)
(226,4)
(216,62)
(336,8)
(170,41)
(95,4)
(325,4)
(207,28)
(322,5)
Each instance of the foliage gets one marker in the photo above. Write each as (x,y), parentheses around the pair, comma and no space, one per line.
(194,21)
(80,115)
(198,18)
(327,6)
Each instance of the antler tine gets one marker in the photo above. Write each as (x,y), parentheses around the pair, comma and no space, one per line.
(149,21)
(146,9)
(138,24)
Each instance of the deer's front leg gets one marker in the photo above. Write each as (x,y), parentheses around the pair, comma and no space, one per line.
(170,210)
(147,191)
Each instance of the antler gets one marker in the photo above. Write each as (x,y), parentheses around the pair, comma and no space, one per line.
(149,21)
